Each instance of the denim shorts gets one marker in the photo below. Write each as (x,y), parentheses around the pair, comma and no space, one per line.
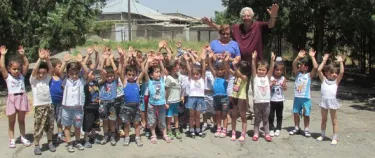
(108,110)
(221,103)
(129,112)
(196,103)
(173,109)
(72,116)
(302,103)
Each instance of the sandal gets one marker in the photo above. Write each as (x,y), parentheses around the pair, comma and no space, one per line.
(218,131)
(153,139)
(223,133)
(255,137)
(233,136)
(294,131)
(167,139)
(334,142)
(268,138)
(25,141)
(307,134)
(12,143)
(242,138)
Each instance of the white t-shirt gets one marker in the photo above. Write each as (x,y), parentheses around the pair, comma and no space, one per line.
(74,94)
(196,88)
(277,93)
(261,90)
(15,85)
(41,93)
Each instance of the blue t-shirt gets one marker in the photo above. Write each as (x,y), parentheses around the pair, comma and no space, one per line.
(56,90)
(219,48)
(108,91)
(220,86)
(302,86)
(131,94)
(156,91)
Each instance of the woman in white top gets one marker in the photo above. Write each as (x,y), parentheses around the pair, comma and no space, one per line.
(330,81)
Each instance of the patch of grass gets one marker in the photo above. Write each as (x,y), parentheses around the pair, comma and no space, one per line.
(146,45)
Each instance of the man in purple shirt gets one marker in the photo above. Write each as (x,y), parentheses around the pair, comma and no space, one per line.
(249,34)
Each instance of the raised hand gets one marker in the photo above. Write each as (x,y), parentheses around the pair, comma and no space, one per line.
(67,57)
(206,20)
(274,10)
(90,50)
(312,52)
(186,57)
(211,54)
(178,44)
(105,55)
(3,50)
(325,57)
(42,54)
(150,59)
(255,55)
(339,59)
(273,56)
(21,50)
(302,53)
(79,57)
(203,56)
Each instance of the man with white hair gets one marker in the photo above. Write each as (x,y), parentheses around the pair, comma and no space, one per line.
(248,35)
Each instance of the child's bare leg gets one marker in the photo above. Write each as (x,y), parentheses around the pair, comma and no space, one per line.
(226,119)
(11,124)
(218,119)
(112,126)
(21,122)
(77,133)
(143,119)
(137,129)
(176,122)
(234,117)
(296,120)
(127,129)
(334,122)
(191,120)
(67,134)
(169,120)
(105,126)
(324,113)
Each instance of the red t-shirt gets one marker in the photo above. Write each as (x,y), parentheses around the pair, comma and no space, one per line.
(251,40)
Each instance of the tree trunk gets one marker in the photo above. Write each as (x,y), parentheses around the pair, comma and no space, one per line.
(320,32)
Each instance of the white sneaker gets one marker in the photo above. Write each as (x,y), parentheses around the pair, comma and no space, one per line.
(277,133)
(272,133)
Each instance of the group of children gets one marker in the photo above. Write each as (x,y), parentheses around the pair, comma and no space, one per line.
(152,90)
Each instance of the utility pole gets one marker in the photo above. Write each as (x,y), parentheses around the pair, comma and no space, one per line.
(129,22)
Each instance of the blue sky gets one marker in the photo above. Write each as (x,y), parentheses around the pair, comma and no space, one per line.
(196,8)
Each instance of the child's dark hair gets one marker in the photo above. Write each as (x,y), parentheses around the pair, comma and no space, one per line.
(43,65)
(73,66)
(243,66)
(130,69)
(55,61)
(171,64)
(109,70)
(305,61)
(220,64)
(152,69)
(197,68)
(263,63)
(279,64)
(332,68)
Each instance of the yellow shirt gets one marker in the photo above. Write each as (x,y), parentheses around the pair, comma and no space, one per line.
(241,93)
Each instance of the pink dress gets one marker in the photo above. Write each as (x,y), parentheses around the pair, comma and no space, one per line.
(17,98)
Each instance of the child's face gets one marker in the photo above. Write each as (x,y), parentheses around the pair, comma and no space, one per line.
(110,77)
(15,69)
(220,72)
(176,68)
(156,74)
(278,71)
(303,68)
(130,75)
(42,74)
(92,77)
(262,71)
(183,70)
(73,74)
(331,75)
(196,75)
(56,69)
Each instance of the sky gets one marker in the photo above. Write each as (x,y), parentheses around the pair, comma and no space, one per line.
(195,8)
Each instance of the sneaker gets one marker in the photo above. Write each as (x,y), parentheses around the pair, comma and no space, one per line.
(320,138)
(307,133)
(294,131)
(170,135)
(71,149)
(12,143)
(88,144)
(138,141)
(113,140)
(126,141)
(105,140)
(178,134)
(277,133)
(334,141)
(255,137)
(272,133)
(37,150)
(25,141)
(51,147)
(79,146)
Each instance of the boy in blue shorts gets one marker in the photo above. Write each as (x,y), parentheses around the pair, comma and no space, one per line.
(302,96)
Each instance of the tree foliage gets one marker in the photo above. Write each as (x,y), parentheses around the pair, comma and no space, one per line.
(54,24)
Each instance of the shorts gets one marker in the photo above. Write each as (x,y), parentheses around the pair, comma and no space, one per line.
(72,116)
(57,110)
(129,112)
(221,103)
(173,109)
(156,113)
(43,120)
(209,100)
(17,102)
(197,104)
(142,106)
(108,110)
(91,118)
(302,103)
